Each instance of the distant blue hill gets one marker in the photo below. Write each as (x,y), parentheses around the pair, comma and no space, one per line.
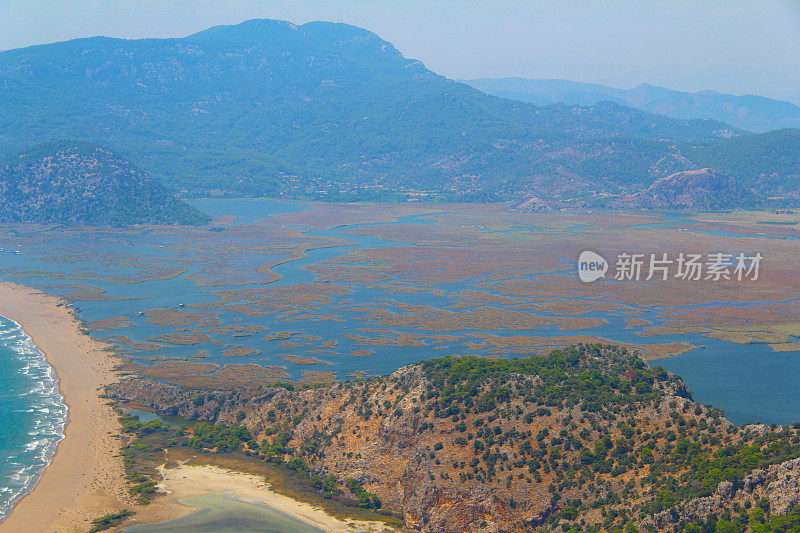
(749,112)
(325,110)
(267,107)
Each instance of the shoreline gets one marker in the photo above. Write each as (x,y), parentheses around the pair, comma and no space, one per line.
(84,478)
(50,450)
(188,481)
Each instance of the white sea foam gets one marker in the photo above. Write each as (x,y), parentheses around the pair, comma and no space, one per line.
(24,464)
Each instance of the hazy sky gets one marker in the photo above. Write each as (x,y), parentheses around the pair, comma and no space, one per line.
(733,46)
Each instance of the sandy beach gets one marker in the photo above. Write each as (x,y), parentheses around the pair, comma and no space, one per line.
(187,480)
(85,479)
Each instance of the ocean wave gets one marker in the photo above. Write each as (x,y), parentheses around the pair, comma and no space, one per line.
(46,416)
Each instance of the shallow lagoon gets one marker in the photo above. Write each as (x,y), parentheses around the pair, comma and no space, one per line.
(339,275)
(219,513)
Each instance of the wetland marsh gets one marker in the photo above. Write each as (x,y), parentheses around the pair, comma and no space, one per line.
(278,291)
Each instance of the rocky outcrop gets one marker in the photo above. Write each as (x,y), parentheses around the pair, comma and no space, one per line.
(704,190)
(533,204)
(783,491)
(779,484)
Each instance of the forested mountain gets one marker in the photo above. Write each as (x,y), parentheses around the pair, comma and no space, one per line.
(770,161)
(266,106)
(329,110)
(584,440)
(79,183)
(749,112)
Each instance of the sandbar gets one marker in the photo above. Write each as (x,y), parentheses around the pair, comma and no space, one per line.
(186,481)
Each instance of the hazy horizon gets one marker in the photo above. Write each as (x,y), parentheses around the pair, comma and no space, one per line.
(731,46)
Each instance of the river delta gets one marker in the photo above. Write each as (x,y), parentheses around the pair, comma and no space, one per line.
(278,291)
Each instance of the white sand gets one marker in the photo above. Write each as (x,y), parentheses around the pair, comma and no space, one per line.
(190,480)
(85,479)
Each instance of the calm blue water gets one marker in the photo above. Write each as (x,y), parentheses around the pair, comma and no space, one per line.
(219,513)
(32,415)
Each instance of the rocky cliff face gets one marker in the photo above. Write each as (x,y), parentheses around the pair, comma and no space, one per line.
(777,484)
(590,436)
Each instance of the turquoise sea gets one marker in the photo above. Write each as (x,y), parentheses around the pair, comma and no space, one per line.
(32,414)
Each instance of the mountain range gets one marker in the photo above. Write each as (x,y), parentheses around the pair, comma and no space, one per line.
(330,110)
(749,112)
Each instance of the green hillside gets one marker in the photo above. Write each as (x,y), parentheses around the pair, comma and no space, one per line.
(73,182)
(266,107)
(769,161)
